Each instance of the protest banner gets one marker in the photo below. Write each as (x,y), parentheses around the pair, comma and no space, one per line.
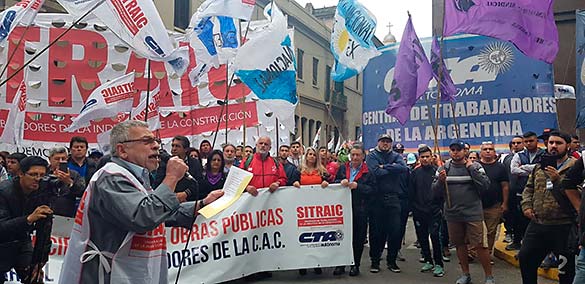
(290,229)
(59,83)
(500,93)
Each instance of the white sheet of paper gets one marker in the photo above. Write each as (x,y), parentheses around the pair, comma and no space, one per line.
(234,186)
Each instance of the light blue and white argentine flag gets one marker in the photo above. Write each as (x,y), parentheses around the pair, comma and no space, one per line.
(351,39)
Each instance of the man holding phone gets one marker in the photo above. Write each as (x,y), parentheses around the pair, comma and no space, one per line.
(549,222)
(66,184)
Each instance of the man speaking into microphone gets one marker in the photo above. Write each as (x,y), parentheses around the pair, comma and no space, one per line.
(119,230)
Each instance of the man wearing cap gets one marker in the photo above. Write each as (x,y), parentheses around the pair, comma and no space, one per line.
(521,167)
(95,155)
(461,181)
(388,167)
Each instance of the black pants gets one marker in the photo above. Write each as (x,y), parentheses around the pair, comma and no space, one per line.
(428,225)
(404,210)
(360,230)
(539,241)
(520,222)
(384,221)
(444,233)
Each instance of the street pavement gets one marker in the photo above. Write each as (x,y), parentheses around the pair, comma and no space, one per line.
(503,272)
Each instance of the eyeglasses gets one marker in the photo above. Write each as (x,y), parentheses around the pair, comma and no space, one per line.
(146,140)
(35,175)
(516,143)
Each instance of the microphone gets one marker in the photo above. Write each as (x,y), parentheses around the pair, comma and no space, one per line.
(189,176)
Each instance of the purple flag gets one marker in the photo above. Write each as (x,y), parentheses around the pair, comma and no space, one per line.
(448,89)
(528,24)
(412,75)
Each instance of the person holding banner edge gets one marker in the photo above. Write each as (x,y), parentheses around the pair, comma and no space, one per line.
(118,235)
(356,176)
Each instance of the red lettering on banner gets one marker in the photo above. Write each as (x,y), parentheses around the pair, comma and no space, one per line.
(32,35)
(158,76)
(252,220)
(320,215)
(217,86)
(118,93)
(202,120)
(200,232)
(85,75)
(3,119)
(59,246)
(131,14)
(44,128)
(250,2)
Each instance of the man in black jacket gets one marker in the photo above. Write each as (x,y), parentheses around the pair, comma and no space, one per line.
(67,185)
(356,176)
(426,212)
(292,172)
(17,217)
(186,189)
(78,160)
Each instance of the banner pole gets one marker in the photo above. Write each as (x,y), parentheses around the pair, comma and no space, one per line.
(51,43)
(147,89)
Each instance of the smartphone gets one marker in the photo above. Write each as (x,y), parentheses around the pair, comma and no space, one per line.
(63,167)
(548,160)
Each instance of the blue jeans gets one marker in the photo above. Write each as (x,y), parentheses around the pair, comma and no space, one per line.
(580,268)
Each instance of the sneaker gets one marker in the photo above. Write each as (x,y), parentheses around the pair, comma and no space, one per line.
(490,280)
(340,270)
(318,270)
(394,268)
(417,244)
(513,246)
(354,271)
(446,258)
(303,272)
(464,279)
(422,260)
(399,257)
(438,271)
(375,268)
(508,238)
(427,267)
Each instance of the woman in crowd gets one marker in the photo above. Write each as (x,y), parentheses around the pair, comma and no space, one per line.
(312,172)
(213,176)
(473,156)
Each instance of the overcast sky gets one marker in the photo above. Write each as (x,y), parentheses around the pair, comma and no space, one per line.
(393,11)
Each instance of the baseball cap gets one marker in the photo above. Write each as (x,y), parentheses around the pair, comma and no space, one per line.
(398,147)
(457,143)
(385,136)
(95,153)
(546,133)
(410,159)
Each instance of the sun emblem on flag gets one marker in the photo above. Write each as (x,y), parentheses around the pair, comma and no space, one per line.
(497,57)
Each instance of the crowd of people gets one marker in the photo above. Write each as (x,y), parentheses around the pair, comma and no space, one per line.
(459,201)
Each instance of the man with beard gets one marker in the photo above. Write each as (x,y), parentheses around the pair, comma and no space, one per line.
(296,154)
(186,189)
(388,167)
(121,219)
(461,181)
(549,222)
(292,172)
(267,171)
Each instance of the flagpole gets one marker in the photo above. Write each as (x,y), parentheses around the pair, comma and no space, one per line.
(51,43)
(147,89)
(229,84)
(447,193)
(14,51)
(277,135)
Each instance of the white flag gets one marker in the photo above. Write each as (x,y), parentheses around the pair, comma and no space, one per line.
(140,111)
(22,13)
(317,138)
(338,147)
(107,100)
(239,9)
(137,23)
(331,143)
(14,129)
